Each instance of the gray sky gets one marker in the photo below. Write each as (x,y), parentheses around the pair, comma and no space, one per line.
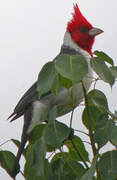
(31,33)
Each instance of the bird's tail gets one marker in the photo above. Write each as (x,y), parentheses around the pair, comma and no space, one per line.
(15,170)
(24,139)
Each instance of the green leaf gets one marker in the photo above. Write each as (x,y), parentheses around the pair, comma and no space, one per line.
(107,166)
(16,142)
(47,170)
(98,99)
(91,115)
(104,56)
(50,148)
(55,133)
(36,133)
(38,130)
(57,166)
(113,136)
(51,120)
(56,84)
(46,78)
(71,67)
(114,71)
(28,172)
(52,115)
(103,131)
(60,82)
(7,159)
(58,177)
(61,155)
(81,148)
(65,82)
(90,173)
(39,155)
(102,70)
(35,160)
(73,169)
(63,166)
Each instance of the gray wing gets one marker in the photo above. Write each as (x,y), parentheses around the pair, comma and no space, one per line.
(32,94)
(25,102)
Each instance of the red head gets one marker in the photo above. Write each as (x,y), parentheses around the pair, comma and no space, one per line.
(82,32)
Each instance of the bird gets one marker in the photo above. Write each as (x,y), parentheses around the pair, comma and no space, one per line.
(78,40)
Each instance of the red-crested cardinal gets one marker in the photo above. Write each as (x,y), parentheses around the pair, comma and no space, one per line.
(78,39)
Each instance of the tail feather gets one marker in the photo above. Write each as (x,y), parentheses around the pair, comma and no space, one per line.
(15,116)
(11,115)
(24,138)
(19,153)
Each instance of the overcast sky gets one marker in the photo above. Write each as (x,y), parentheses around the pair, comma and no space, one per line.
(31,33)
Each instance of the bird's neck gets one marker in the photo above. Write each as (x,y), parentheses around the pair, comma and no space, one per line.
(68,42)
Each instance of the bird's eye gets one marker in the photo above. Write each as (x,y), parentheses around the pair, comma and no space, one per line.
(83,29)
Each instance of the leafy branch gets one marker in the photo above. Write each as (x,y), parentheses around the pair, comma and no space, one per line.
(55,150)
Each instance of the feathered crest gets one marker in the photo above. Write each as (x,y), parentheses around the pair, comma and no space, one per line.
(78,20)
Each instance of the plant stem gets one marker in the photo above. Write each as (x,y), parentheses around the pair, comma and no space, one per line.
(71,118)
(88,117)
(5,142)
(81,132)
(90,130)
(51,155)
(22,174)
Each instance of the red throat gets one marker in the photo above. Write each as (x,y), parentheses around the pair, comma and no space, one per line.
(79,28)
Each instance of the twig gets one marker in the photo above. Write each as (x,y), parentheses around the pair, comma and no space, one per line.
(51,155)
(22,173)
(74,143)
(90,130)
(5,142)
(71,118)
(95,82)
(81,132)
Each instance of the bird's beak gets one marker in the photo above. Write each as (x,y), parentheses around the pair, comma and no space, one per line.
(95,31)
